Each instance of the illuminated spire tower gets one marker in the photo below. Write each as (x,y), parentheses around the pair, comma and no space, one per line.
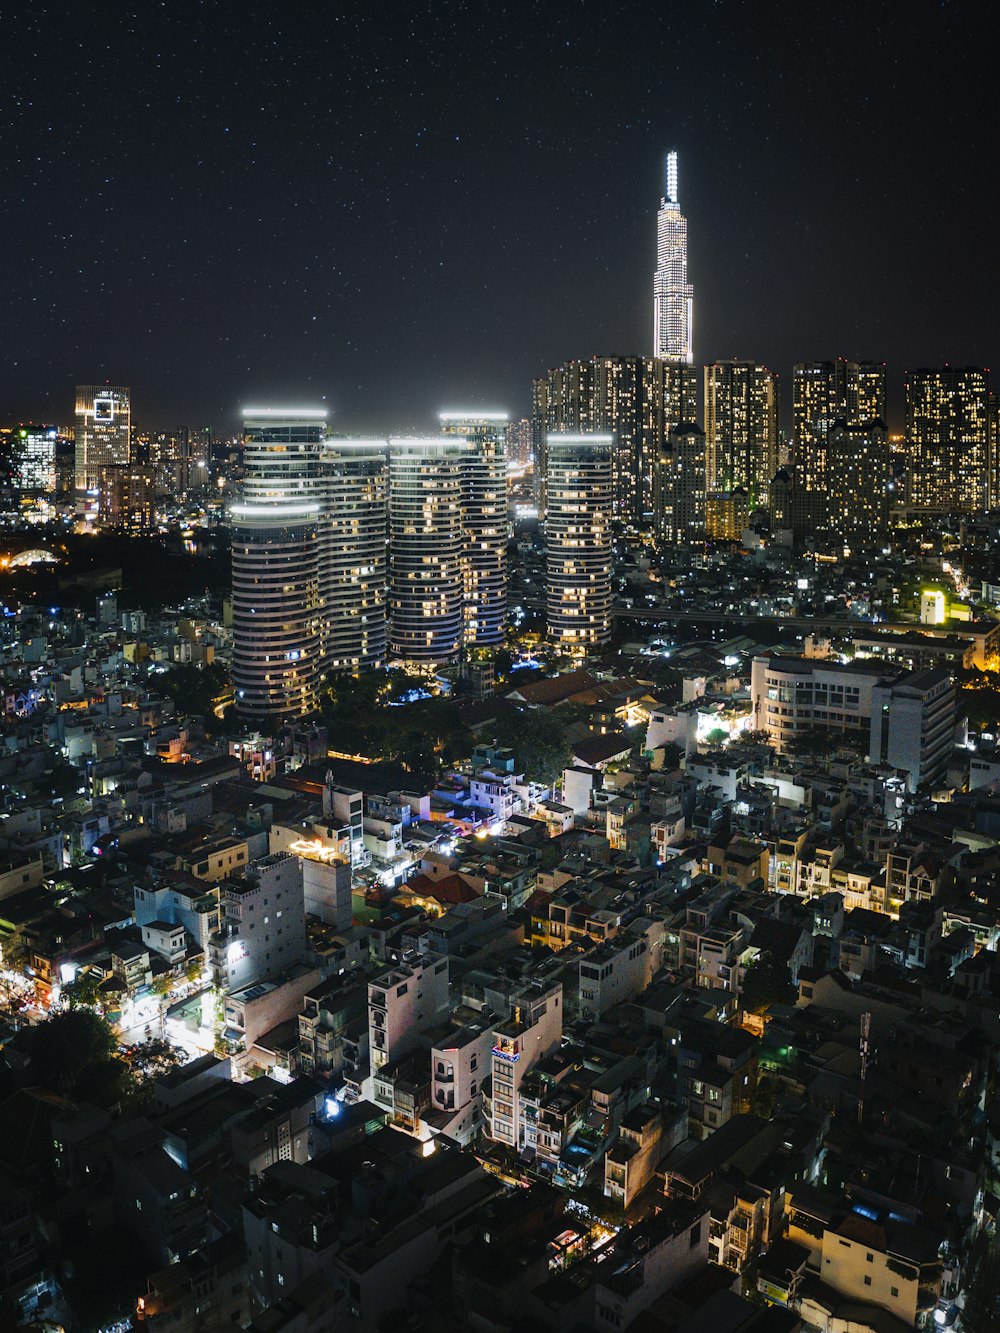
(673,297)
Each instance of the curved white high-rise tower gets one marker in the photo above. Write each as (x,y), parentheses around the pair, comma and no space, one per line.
(278,567)
(356,477)
(426,591)
(484,522)
(673,295)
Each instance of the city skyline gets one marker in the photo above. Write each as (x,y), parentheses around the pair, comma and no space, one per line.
(403,198)
(498,812)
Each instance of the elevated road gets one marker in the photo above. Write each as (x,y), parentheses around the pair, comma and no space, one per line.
(831,625)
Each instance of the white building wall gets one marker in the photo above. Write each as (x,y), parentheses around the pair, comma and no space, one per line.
(517,1047)
(265,914)
(403,1002)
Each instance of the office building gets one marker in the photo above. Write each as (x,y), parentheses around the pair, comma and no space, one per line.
(902,718)
(680,485)
(793,695)
(354,477)
(278,564)
(427,481)
(741,428)
(947,438)
(103,431)
(578,540)
(824,392)
(673,296)
(484,523)
(913,725)
(857,484)
(35,465)
(181,459)
(637,400)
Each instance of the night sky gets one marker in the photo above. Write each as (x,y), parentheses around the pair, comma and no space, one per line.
(401,207)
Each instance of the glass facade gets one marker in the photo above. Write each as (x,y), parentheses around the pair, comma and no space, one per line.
(103,428)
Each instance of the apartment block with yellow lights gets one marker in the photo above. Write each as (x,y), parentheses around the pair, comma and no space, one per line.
(947,439)
(578,541)
(741,428)
(824,392)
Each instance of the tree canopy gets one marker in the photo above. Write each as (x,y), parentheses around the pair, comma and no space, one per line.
(383,716)
(76,1054)
(766,983)
(538,739)
(194,688)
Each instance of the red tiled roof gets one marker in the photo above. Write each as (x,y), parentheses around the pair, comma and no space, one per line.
(555,689)
(451,889)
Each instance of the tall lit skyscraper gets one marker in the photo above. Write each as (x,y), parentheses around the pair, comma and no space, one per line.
(858,467)
(578,540)
(673,295)
(519,445)
(278,565)
(354,530)
(35,468)
(680,485)
(637,400)
(794,510)
(824,392)
(484,522)
(126,497)
(102,432)
(426,588)
(947,438)
(741,427)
